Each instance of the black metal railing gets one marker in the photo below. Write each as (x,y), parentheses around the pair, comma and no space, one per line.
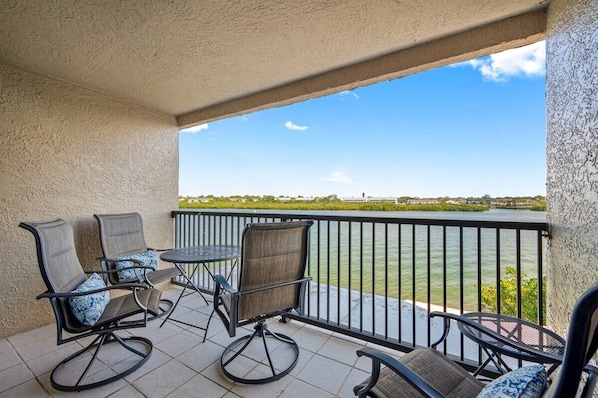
(378,278)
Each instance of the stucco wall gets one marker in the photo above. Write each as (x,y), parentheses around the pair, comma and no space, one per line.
(67,152)
(572,153)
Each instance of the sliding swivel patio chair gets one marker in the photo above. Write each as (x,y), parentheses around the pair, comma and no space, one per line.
(83,308)
(425,372)
(271,282)
(125,251)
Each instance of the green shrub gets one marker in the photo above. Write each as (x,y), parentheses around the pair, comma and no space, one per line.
(508,296)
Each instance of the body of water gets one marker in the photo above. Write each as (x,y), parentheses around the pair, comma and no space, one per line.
(442,264)
(436,264)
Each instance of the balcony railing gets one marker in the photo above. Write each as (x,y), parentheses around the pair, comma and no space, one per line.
(378,278)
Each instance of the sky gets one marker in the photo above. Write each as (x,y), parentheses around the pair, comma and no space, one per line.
(466,130)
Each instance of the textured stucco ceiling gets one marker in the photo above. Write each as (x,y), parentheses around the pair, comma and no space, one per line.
(184,55)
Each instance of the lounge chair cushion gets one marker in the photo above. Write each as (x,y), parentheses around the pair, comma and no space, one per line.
(449,378)
(148,258)
(525,382)
(88,309)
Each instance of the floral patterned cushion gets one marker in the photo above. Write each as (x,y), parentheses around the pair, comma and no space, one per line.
(525,382)
(88,309)
(149,259)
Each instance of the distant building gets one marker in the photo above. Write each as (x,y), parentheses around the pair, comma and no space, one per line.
(371,199)
(422,201)
(297,199)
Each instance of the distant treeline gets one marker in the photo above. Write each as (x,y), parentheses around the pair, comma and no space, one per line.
(262,205)
(333,202)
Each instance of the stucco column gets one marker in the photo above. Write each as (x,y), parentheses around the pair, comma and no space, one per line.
(572,154)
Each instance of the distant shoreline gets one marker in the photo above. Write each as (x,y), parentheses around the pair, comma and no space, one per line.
(337,206)
(332,202)
(345,206)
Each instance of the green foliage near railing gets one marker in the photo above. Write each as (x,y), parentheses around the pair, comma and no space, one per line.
(508,296)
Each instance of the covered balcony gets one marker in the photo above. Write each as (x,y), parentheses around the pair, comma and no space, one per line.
(93,97)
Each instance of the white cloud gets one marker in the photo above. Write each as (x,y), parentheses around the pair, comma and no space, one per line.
(195,129)
(292,126)
(528,61)
(349,92)
(338,176)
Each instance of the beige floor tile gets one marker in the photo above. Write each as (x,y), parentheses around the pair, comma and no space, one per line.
(178,343)
(304,358)
(199,386)
(29,389)
(37,337)
(8,359)
(14,376)
(230,395)
(364,363)
(156,333)
(223,339)
(113,353)
(157,359)
(198,319)
(49,361)
(310,340)
(201,356)
(29,349)
(181,365)
(214,373)
(300,389)
(331,380)
(356,376)
(164,379)
(272,389)
(289,328)
(102,391)
(241,366)
(341,350)
(127,392)
(4,346)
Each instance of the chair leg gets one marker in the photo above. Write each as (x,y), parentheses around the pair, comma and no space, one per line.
(95,346)
(264,335)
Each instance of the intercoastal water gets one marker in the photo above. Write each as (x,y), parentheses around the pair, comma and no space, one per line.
(414,262)
(382,252)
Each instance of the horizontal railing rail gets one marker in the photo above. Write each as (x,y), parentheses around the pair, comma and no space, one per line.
(377,278)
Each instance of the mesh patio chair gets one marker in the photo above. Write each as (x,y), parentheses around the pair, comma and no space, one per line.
(426,372)
(271,282)
(122,238)
(83,308)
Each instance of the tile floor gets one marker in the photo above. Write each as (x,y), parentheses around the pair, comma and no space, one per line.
(182,366)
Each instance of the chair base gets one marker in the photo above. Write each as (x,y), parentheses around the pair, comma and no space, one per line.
(94,349)
(166,306)
(230,354)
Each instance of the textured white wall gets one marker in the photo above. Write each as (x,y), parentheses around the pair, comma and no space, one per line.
(67,152)
(572,153)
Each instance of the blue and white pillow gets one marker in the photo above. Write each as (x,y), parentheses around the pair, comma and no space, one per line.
(148,259)
(525,382)
(89,308)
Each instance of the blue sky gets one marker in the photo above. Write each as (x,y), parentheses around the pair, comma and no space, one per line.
(469,129)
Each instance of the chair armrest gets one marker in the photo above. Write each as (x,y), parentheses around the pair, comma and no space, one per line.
(222,284)
(230,318)
(399,368)
(137,265)
(159,250)
(112,271)
(122,286)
